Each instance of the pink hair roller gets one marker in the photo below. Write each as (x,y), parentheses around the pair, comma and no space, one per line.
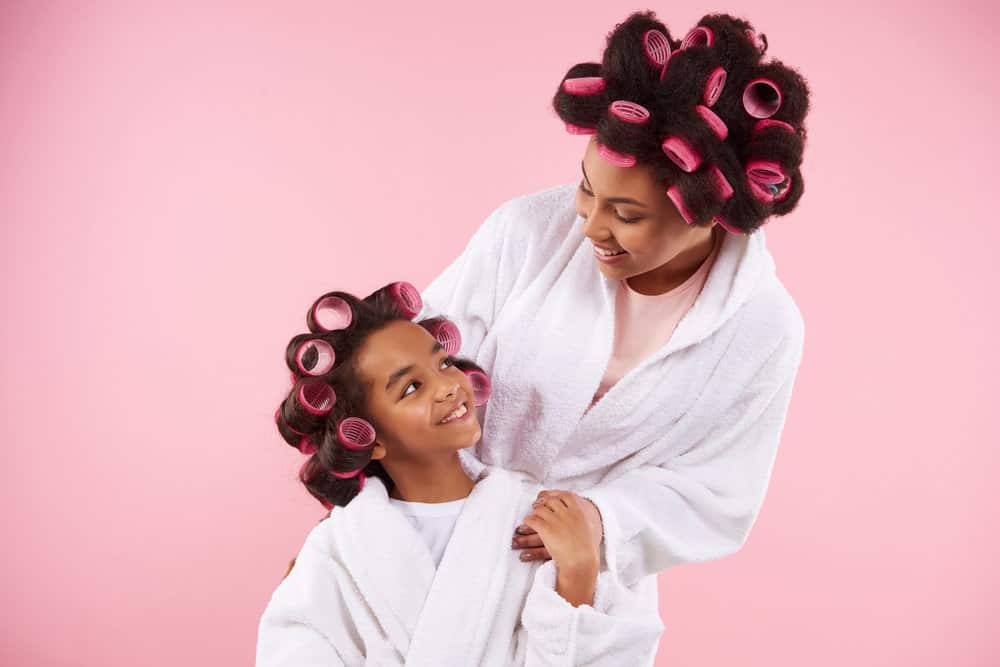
(700,36)
(722,184)
(630,112)
(316,397)
(346,475)
(714,85)
(761,98)
(757,40)
(616,158)
(481,386)
(716,124)
(770,122)
(681,153)
(407,299)
(307,446)
(330,314)
(766,172)
(579,129)
(727,225)
(770,192)
(657,49)
(584,85)
(446,333)
(314,357)
(675,196)
(355,433)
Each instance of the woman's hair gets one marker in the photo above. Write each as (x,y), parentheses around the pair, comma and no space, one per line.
(716,123)
(327,388)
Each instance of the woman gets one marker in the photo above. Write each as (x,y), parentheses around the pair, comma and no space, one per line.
(642,347)
(386,416)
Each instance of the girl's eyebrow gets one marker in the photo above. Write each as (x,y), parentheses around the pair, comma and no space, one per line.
(612,200)
(395,377)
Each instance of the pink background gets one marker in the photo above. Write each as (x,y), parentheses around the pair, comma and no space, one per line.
(177,185)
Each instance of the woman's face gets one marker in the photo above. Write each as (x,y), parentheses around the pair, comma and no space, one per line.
(626,209)
(419,403)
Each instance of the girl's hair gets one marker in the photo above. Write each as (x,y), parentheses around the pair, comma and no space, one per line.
(326,389)
(750,134)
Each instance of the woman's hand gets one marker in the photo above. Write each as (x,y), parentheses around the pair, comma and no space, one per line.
(533,546)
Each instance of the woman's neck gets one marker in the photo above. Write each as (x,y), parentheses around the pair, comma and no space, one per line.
(426,482)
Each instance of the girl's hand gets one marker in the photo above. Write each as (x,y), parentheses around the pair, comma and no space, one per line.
(532,545)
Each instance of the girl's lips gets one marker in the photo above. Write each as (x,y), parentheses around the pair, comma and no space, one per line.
(457,420)
(608,259)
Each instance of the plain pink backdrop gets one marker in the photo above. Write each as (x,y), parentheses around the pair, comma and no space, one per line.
(177,184)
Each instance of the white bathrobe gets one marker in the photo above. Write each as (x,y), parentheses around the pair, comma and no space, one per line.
(678,454)
(364,591)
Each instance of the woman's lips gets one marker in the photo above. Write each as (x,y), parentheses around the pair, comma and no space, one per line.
(608,259)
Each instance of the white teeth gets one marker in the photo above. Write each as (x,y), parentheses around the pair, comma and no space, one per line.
(455,414)
(608,253)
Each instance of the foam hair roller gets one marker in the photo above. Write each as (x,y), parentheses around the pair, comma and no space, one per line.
(700,36)
(766,172)
(481,386)
(584,85)
(716,124)
(681,153)
(316,397)
(616,158)
(657,49)
(722,184)
(728,226)
(330,313)
(407,299)
(355,433)
(345,475)
(314,357)
(678,199)
(446,333)
(770,122)
(758,40)
(769,193)
(761,98)
(714,85)
(307,446)
(630,112)
(579,129)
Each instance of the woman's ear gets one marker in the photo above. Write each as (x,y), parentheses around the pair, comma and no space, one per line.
(378,451)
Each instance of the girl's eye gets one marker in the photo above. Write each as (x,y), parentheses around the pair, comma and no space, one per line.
(447,362)
(406,391)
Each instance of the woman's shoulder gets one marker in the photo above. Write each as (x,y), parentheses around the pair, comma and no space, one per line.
(538,216)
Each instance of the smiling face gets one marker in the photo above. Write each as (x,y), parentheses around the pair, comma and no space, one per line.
(420,404)
(627,209)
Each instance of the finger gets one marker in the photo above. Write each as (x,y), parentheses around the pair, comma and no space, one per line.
(524,529)
(527,542)
(563,497)
(539,554)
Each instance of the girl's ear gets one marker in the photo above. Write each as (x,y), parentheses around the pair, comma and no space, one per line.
(378,451)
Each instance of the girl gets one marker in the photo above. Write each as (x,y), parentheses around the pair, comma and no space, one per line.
(643,346)
(412,564)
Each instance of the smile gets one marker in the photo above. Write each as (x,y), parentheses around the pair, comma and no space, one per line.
(456,414)
(607,256)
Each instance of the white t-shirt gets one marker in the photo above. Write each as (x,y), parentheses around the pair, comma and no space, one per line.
(434,521)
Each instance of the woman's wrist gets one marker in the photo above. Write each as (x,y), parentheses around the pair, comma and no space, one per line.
(577,583)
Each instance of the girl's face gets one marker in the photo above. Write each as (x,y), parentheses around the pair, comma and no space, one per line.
(419,403)
(626,209)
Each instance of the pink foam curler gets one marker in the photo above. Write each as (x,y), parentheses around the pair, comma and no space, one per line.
(630,112)
(759,42)
(314,357)
(279,422)
(616,158)
(716,124)
(729,227)
(407,299)
(481,386)
(678,199)
(316,397)
(446,333)
(346,475)
(657,48)
(766,172)
(699,36)
(330,314)
(722,185)
(307,446)
(770,122)
(579,129)
(681,153)
(714,85)
(761,98)
(770,192)
(584,85)
(355,433)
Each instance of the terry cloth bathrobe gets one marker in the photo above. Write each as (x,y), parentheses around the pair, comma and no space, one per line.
(677,455)
(364,591)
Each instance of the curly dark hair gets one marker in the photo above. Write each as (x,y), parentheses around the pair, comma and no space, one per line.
(326,388)
(718,125)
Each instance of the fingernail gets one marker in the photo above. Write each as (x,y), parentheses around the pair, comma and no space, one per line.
(525,556)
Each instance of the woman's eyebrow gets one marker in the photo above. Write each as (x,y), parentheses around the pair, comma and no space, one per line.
(612,200)
(395,377)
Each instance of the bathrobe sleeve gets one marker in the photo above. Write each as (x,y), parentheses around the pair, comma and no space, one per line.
(618,629)
(700,505)
(304,623)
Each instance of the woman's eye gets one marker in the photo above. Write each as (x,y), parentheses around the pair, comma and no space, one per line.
(624,219)
(585,191)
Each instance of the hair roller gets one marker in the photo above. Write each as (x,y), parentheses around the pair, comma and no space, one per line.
(346,475)
(698,36)
(481,386)
(714,85)
(766,123)
(614,157)
(315,397)
(445,332)
(722,185)
(681,153)
(314,357)
(766,172)
(329,313)
(657,48)
(293,437)
(579,129)
(355,433)
(584,85)
(677,198)
(794,91)
(714,123)
(407,299)
(629,112)
(728,226)
(761,98)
